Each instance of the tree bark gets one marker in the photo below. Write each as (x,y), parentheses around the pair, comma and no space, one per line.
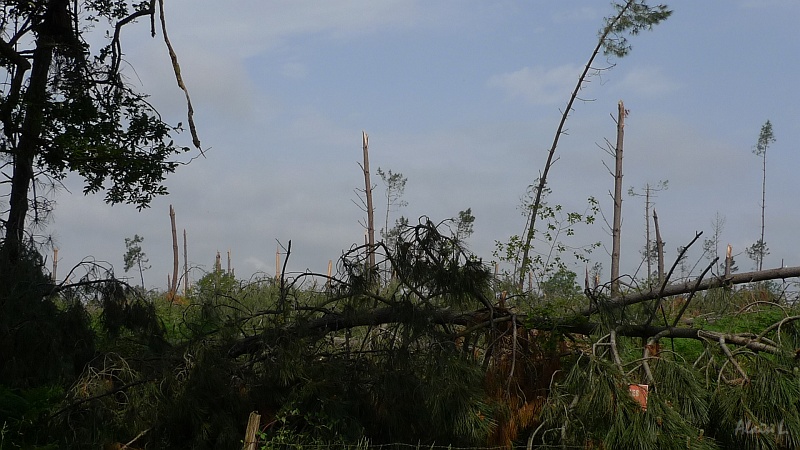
(251,433)
(479,319)
(53,277)
(689,286)
(185,266)
(476,320)
(648,249)
(763,249)
(370,208)
(32,125)
(616,230)
(659,249)
(173,289)
(728,261)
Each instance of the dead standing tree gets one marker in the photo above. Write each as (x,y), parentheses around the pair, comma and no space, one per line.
(366,203)
(173,288)
(650,253)
(616,230)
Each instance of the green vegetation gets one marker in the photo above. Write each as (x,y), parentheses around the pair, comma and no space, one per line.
(436,356)
(135,257)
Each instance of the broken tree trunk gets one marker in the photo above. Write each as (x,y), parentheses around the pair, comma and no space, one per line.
(251,433)
(370,209)
(55,265)
(173,288)
(728,261)
(659,249)
(185,266)
(616,230)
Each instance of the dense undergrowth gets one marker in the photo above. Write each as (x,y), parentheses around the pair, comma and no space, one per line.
(429,355)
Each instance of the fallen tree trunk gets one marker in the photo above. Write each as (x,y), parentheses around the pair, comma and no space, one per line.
(334,321)
(484,318)
(477,320)
(692,286)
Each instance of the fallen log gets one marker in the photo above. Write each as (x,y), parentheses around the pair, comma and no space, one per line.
(692,286)
(484,318)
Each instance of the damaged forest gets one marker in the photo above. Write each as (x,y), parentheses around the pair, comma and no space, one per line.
(409,341)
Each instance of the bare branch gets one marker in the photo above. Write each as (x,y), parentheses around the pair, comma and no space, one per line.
(732,360)
(177,68)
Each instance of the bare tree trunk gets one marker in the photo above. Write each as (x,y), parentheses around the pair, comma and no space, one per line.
(141,272)
(728,261)
(251,433)
(699,285)
(173,289)
(370,208)
(762,250)
(647,247)
(185,266)
(616,230)
(55,264)
(660,249)
(478,319)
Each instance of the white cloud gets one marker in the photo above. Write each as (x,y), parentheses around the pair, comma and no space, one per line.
(648,82)
(248,27)
(537,85)
(219,84)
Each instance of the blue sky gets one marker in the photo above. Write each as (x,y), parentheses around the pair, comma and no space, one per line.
(463,98)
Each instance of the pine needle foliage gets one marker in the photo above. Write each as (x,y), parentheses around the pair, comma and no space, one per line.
(764,413)
(637,16)
(203,407)
(401,381)
(123,308)
(437,267)
(43,339)
(680,385)
(592,406)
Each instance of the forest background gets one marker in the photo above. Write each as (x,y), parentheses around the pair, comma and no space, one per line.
(463,101)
